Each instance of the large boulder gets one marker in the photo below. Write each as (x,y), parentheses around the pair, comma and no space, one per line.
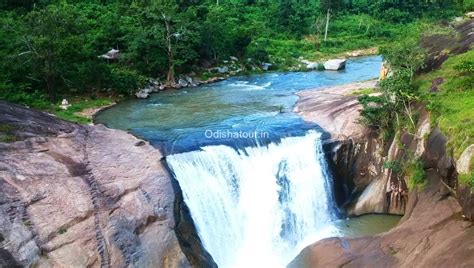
(84,196)
(335,65)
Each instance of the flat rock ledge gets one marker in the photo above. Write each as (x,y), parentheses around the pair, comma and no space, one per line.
(82,196)
(335,109)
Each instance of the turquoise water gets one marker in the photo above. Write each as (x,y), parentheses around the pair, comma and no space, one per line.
(249,109)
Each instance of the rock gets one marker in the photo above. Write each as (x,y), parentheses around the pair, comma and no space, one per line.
(334,109)
(310,65)
(232,58)
(463,165)
(266,66)
(222,70)
(432,235)
(80,196)
(335,65)
(470,15)
(182,82)
(142,94)
(466,200)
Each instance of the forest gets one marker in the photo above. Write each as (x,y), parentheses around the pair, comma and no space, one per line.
(52,49)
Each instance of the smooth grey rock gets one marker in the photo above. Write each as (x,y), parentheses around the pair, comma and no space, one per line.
(335,65)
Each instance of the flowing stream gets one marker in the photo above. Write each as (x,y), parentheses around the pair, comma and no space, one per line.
(256,200)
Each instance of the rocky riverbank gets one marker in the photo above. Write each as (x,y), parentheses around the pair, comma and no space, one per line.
(435,229)
(86,196)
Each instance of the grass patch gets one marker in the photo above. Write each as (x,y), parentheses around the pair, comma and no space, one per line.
(78,105)
(452,107)
(364,91)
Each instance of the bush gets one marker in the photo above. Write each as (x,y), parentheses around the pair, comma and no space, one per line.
(34,99)
(126,81)
(416,174)
(466,67)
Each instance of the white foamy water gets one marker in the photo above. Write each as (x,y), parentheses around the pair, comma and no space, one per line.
(260,206)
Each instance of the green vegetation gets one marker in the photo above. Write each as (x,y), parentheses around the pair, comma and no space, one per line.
(446,92)
(452,103)
(78,105)
(415,173)
(52,49)
(364,91)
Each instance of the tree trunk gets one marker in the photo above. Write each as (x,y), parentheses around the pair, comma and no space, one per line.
(170,80)
(327,26)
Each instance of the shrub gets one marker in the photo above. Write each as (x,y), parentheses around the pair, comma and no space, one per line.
(126,81)
(416,174)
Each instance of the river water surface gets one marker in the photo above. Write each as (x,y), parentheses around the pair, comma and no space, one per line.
(252,172)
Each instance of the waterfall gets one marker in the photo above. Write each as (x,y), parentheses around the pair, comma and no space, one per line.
(258,206)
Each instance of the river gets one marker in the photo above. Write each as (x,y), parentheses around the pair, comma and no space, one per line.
(252,172)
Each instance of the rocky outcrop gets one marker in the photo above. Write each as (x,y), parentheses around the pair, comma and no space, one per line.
(432,234)
(335,109)
(365,177)
(435,229)
(76,196)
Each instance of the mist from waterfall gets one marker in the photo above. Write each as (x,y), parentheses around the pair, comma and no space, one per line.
(258,206)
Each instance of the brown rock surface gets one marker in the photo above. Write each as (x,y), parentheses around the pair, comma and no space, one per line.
(335,109)
(77,196)
(433,234)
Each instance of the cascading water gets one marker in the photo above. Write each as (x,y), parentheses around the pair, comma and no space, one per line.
(259,206)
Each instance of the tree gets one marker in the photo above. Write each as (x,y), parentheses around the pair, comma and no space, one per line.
(334,5)
(51,44)
(180,35)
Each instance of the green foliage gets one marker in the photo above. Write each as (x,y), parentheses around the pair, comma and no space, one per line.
(416,174)
(126,81)
(452,107)
(393,107)
(406,55)
(466,67)
(394,166)
(376,112)
(50,49)
(363,91)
